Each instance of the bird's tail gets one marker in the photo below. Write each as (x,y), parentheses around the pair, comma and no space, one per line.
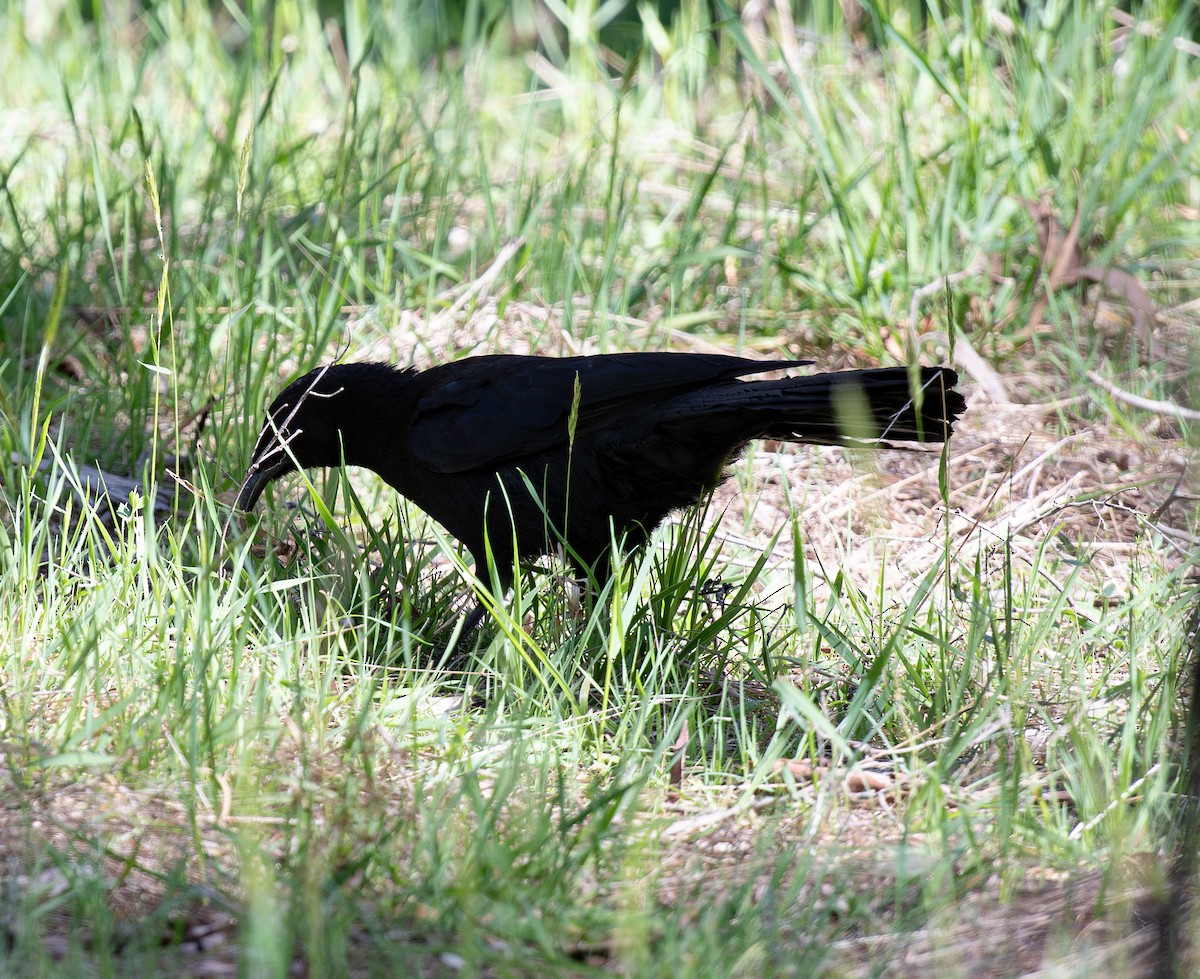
(847,407)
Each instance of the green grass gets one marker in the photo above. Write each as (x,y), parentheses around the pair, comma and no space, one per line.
(259,731)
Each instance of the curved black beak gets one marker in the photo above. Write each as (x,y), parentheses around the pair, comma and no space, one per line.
(270,460)
(252,489)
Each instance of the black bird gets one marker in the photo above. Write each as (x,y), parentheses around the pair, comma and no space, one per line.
(573,449)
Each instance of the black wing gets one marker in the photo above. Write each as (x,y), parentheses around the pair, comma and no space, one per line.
(484,411)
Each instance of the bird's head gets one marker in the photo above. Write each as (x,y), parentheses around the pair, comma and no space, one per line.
(307,426)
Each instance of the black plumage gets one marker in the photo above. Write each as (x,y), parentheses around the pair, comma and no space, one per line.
(543,450)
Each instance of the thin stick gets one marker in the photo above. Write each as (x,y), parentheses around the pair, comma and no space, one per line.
(1158,407)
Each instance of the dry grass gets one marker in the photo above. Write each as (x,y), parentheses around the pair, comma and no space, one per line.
(1049,492)
(1015,473)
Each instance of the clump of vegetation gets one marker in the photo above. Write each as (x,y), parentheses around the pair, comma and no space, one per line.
(904,713)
